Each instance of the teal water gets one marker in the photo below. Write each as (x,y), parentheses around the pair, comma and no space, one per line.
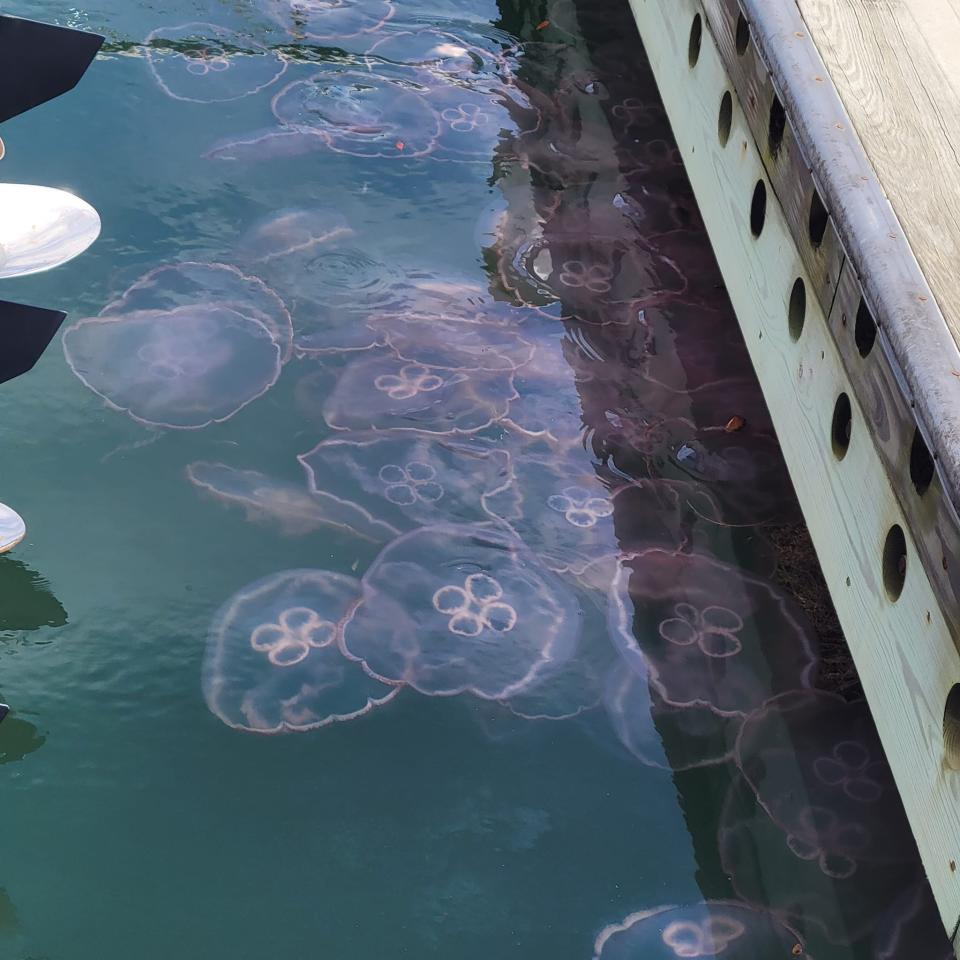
(136,822)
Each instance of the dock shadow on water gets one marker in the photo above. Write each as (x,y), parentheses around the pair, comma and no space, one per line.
(458,451)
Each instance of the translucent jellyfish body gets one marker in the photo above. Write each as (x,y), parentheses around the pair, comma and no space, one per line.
(715,928)
(273,663)
(361,114)
(183,369)
(206,63)
(386,392)
(290,509)
(451,609)
(328,19)
(660,734)
(408,480)
(292,233)
(473,122)
(185,284)
(818,769)
(703,631)
(825,895)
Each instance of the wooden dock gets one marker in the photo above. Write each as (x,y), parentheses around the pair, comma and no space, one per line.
(822,138)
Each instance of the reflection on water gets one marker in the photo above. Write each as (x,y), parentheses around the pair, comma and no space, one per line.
(489,661)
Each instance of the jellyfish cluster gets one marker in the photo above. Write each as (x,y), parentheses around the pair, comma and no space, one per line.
(560,467)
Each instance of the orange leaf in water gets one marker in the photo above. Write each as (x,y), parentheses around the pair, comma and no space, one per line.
(399,144)
(734,424)
(543,24)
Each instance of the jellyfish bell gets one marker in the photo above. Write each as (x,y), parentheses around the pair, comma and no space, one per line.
(42,228)
(701,629)
(818,769)
(713,928)
(385,392)
(287,507)
(408,480)
(182,369)
(207,63)
(290,233)
(328,19)
(462,608)
(361,114)
(912,928)
(273,662)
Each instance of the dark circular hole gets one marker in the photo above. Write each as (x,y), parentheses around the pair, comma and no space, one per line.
(894,562)
(865,329)
(818,219)
(921,463)
(951,728)
(758,208)
(725,119)
(798,308)
(777,126)
(743,34)
(841,427)
(696,37)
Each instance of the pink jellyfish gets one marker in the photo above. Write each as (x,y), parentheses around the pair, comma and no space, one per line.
(273,662)
(702,630)
(205,63)
(461,609)
(408,479)
(714,928)
(328,19)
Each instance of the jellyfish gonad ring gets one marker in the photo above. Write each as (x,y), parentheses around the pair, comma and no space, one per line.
(41,227)
(12,528)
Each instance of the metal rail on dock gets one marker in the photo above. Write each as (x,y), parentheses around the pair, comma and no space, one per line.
(858,365)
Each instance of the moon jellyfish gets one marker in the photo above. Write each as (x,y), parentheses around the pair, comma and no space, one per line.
(183,369)
(289,508)
(12,528)
(290,234)
(387,392)
(661,735)
(703,631)
(473,63)
(823,893)
(818,769)
(273,662)
(360,114)
(408,480)
(184,284)
(471,122)
(912,928)
(461,608)
(205,63)
(328,19)
(714,928)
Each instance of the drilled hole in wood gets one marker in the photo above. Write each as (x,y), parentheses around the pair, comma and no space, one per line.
(758,208)
(921,463)
(894,562)
(696,37)
(743,34)
(725,119)
(841,426)
(797,313)
(819,218)
(776,126)
(865,330)
(951,730)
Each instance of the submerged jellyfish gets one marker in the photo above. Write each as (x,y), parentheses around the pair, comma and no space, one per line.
(408,480)
(472,122)
(186,284)
(818,769)
(456,608)
(328,19)
(912,928)
(273,663)
(824,894)
(289,508)
(206,63)
(183,368)
(660,734)
(386,392)
(290,234)
(361,114)
(707,633)
(714,928)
